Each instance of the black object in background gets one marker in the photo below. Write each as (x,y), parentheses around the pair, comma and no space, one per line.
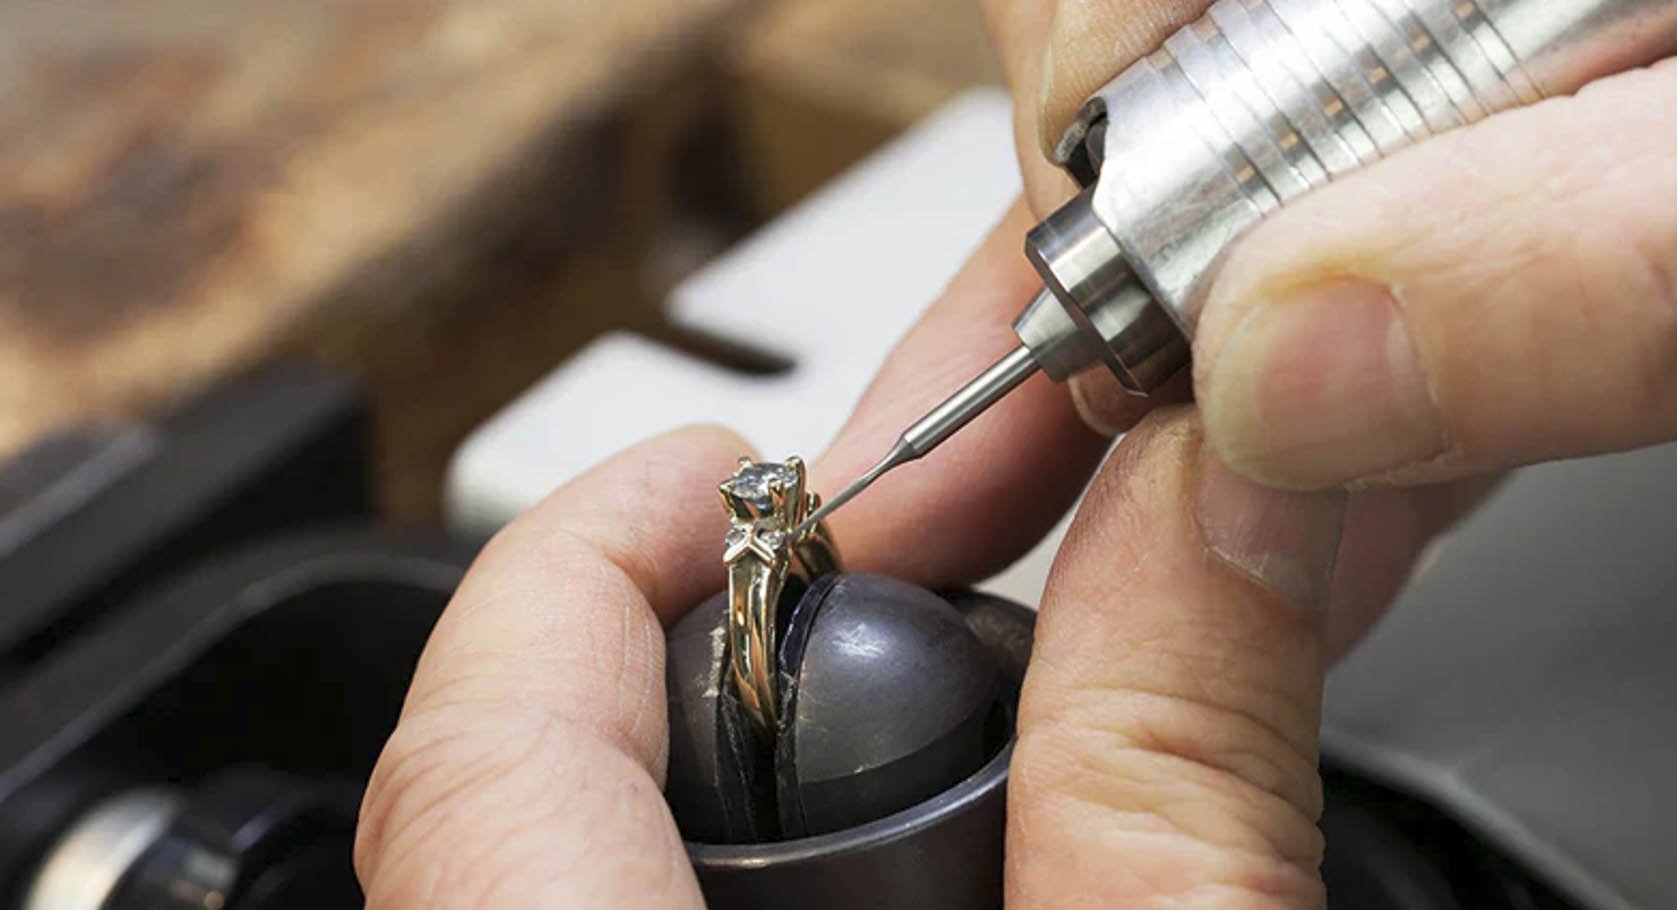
(90,515)
(186,635)
(292,656)
(180,635)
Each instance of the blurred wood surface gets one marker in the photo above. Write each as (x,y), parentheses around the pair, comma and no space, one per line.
(822,83)
(189,186)
(443,197)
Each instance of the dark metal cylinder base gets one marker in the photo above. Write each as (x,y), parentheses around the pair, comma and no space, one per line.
(943,854)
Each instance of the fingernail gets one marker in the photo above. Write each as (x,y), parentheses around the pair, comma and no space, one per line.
(1103,403)
(1285,540)
(1321,388)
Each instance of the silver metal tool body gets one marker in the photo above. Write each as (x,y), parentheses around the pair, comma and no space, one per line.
(1246,109)
(1261,101)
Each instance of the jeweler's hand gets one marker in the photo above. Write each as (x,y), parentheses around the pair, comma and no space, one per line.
(1168,723)
(1499,295)
(1167,730)
(527,765)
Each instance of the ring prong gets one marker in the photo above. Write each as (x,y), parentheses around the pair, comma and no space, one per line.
(737,507)
(778,500)
(797,495)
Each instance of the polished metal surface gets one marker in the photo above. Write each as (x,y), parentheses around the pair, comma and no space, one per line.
(943,853)
(940,423)
(1263,100)
(1564,44)
(1111,318)
(889,698)
(899,454)
(968,402)
(82,869)
(1244,110)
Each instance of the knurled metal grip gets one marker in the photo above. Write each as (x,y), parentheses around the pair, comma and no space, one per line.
(1262,100)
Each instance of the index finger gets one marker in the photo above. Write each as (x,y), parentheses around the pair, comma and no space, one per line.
(530,753)
(993,490)
(986,495)
(1055,53)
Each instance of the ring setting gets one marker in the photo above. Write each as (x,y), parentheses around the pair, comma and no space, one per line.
(766,504)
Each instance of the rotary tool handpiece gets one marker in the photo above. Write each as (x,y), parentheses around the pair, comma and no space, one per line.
(1244,110)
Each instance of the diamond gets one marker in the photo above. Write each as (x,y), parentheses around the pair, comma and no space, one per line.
(740,535)
(753,482)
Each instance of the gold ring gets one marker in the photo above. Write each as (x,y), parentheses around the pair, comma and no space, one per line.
(766,501)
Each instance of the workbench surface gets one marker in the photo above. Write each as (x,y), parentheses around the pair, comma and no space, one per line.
(185,184)
(399,188)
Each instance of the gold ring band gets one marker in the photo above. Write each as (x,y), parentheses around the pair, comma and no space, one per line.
(766,502)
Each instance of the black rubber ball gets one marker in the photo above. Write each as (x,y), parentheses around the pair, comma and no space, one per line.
(888,698)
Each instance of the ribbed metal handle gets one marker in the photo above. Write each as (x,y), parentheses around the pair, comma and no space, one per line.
(1300,91)
(1262,100)
(1255,104)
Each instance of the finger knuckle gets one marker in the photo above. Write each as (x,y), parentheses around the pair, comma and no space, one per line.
(1179,764)
(1163,825)
(426,773)
(1652,266)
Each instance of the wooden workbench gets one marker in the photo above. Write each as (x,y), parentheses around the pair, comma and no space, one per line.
(441,197)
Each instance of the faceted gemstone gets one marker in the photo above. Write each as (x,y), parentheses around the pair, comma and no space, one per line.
(753,482)
(739,534)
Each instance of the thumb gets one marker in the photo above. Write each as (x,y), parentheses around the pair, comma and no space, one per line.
(1167,745)
(1499,295)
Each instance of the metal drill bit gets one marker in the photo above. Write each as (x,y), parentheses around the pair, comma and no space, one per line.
(939,424)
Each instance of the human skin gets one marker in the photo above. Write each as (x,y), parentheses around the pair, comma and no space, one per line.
(1502,294)
(1167,730)
(1491,297)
